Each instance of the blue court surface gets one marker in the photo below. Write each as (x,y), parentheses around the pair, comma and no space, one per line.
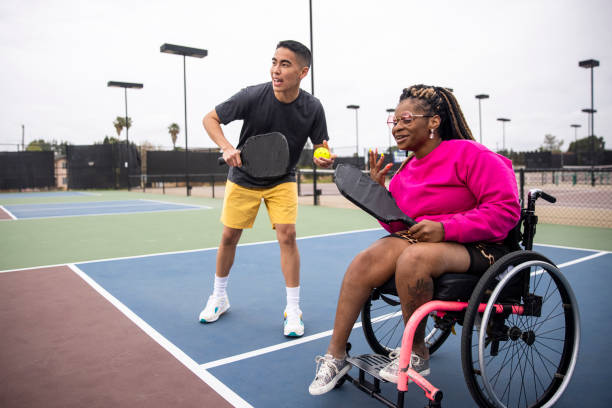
(47,210)
(246,351)
(38,194)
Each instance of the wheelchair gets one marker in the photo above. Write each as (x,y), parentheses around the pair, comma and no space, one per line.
(520,335)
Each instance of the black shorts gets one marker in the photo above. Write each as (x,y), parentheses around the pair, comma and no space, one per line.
(482,254)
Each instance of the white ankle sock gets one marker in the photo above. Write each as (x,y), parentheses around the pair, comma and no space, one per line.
(220,286)
(293,298)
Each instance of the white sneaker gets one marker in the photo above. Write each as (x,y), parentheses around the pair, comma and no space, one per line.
(329,372)
(215,307)
(391,371)
(293,325)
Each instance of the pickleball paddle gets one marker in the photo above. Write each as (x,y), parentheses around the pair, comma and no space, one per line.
(264,156)
(368,195)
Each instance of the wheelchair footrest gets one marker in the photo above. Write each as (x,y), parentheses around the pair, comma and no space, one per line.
(370,363)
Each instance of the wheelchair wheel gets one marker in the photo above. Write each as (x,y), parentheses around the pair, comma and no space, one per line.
(526,359)
(383,325)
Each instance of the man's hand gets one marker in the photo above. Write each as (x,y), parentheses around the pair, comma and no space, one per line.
(321,161)
(232,157)
(428,231)
(376,173)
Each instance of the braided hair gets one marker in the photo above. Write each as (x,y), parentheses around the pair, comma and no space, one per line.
(440,101)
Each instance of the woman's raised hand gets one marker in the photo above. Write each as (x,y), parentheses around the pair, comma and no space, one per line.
(377,173)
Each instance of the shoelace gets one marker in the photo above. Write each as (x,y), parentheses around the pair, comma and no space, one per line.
(414,359)
(328,371)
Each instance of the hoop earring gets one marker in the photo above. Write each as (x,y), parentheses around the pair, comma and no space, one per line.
(431,134)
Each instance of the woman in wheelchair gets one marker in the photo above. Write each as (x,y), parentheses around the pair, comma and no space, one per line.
(464,199)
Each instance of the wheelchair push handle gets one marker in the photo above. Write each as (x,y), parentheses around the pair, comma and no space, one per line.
(536,193)
(549,198)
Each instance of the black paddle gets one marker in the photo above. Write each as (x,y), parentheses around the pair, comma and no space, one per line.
(264,156)
(368,195)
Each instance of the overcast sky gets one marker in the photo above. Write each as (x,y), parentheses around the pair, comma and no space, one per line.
(57,57)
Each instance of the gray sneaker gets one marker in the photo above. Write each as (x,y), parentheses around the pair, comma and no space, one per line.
(329,372)
(391,370)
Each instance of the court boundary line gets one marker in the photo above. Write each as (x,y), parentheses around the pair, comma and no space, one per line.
(10,214)
(220,388)
(320,335)
(186,251)
(195,207)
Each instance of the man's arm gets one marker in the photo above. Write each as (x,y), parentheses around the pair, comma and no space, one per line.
(212,124)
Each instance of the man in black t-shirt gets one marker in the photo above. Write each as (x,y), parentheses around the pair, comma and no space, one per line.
(276,106)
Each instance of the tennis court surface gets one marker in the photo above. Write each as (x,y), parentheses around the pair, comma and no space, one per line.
(123,331)
(47,210)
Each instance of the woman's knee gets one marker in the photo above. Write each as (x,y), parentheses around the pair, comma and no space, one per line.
(367,269)
(416,262)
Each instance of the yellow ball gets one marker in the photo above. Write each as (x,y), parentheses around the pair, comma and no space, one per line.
(322,152)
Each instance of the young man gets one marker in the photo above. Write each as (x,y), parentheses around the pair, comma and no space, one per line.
(276,106)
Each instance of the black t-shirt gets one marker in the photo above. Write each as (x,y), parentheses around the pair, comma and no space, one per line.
(262,113)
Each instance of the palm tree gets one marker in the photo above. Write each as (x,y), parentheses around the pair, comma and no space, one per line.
(174,129)
(119,124)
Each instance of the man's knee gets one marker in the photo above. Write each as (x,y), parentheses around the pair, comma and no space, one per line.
(230,236)
(285,234)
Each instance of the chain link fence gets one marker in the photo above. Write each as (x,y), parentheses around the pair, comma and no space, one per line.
(584,195)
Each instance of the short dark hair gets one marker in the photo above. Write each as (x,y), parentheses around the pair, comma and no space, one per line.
(301,51)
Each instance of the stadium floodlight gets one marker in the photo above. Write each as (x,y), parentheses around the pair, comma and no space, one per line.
(575,126)
(356,108)
(503,121)
(480,97)
(125,86)
(590,64)
(185,52)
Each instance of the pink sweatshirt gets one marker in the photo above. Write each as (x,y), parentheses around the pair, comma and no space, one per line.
(462,184)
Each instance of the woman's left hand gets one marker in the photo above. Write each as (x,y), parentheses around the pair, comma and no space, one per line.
(428,231)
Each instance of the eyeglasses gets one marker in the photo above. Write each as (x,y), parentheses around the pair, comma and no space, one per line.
(406,117)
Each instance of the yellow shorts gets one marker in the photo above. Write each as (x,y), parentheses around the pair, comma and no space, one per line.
(241,204)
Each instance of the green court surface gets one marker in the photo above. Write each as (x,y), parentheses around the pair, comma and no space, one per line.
(50,241)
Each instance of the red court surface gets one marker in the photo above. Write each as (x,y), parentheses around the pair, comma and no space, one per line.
(64,345)
(5,215)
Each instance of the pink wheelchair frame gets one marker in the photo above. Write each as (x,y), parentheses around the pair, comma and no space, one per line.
(489,313)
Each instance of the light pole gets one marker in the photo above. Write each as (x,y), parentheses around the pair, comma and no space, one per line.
(591,63)
(356,108)
(390,111)
(589,112)
(185,52)
(575,126)
(503,121)
(125,86)
(480,97)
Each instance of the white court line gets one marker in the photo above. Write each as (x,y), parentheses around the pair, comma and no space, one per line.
(112,213)
(204,375)
(286,344)
(184,251)
(575,261)
(320,335)
(8,212)
(175,203)
(99,204)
